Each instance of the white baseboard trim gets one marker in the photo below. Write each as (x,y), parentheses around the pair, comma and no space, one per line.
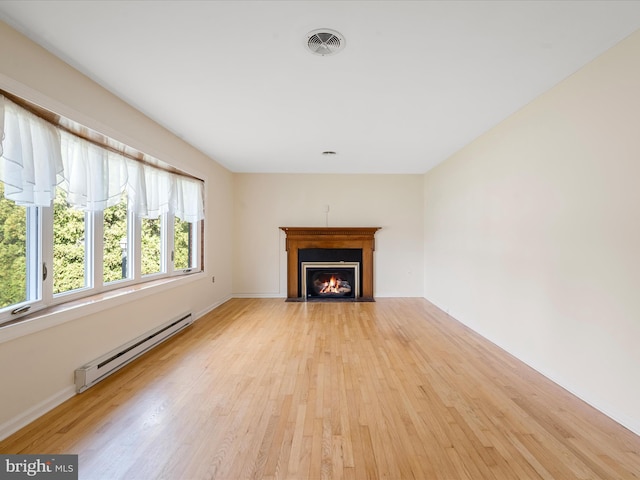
(25,418)
(624,420)
(258,295)
(212,307)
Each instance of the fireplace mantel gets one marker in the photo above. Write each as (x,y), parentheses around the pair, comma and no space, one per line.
(330,237)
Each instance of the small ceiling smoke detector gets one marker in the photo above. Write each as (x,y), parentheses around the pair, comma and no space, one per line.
(324,41)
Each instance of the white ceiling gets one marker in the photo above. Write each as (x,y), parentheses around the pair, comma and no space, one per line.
(417,81)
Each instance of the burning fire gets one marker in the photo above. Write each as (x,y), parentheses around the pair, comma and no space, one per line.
(335,285)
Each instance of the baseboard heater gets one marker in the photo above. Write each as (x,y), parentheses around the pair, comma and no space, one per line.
(100,368)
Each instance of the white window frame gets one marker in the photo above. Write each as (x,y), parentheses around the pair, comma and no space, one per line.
(41,246)
(196,253)
(90,255)
(164,256)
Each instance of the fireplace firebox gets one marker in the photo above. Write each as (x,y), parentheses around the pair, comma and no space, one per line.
(343,258)
(328,280)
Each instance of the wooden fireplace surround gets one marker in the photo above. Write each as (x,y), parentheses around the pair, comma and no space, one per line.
(330,237)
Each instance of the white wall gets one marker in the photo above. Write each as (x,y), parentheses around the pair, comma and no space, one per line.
(265,202)
(36,370)
(532,234)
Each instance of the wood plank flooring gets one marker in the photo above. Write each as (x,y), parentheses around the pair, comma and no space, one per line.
(261,388)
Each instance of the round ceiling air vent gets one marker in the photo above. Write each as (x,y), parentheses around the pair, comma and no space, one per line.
(324,41)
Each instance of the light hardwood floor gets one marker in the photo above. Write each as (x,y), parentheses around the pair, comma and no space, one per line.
(392,389)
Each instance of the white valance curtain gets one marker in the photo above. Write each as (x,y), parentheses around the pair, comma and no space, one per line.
(35,157)
(30,156)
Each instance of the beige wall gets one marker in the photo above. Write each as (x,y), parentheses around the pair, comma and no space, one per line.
(264,202)
(36,370)
(532,233)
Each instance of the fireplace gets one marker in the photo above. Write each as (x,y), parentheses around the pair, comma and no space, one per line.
(330,281)
(315,255)
(345,262)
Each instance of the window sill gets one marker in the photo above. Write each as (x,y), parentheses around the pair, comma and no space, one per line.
(66,312)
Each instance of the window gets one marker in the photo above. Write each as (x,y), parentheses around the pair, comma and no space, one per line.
(184,245)
(19,253)
(152,246)
(70,247)
(117,244)
(78,218)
